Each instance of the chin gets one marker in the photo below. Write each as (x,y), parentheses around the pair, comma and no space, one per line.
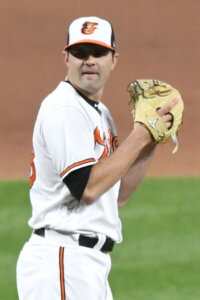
(91,88)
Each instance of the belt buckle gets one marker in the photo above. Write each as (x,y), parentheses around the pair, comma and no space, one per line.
(101,242)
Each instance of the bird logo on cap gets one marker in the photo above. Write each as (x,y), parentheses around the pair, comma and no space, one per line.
(89,27)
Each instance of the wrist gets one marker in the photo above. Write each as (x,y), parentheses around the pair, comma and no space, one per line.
(143,133)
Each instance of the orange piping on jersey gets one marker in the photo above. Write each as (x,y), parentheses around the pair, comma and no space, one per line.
(33,176)
(76,165)
(62,279)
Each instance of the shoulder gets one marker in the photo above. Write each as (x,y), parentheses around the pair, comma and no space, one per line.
(63,95)
(63,98)
(65,104)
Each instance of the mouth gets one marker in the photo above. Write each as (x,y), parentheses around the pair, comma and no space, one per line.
(89,72)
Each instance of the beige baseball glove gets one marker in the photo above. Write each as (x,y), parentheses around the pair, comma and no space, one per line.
(147,96)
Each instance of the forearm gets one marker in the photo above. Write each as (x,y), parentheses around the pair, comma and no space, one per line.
(135,174)
(112,168)
(129,161)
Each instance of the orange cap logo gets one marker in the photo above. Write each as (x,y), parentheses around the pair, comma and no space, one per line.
(89,27)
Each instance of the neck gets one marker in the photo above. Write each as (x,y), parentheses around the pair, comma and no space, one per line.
(93,96)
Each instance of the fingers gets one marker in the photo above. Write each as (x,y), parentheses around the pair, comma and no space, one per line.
(164,112)
(166,108)
(168,119)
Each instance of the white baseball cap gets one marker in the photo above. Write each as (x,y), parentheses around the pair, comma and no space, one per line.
(91,30)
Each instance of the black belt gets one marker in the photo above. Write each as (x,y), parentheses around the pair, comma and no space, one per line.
(86,241)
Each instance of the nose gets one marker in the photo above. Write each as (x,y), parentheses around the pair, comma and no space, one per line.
(90,60)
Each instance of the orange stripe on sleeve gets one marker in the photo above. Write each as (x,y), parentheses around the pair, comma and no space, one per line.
(76,165)
(62,280)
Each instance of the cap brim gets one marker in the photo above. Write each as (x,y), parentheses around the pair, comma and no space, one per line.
(90,42)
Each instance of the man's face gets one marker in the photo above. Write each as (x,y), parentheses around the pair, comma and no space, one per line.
(89,67)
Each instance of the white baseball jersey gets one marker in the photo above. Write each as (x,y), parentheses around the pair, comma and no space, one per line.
(71,133)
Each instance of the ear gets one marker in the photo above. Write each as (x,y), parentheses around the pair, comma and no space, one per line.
(115,60)
(65,56)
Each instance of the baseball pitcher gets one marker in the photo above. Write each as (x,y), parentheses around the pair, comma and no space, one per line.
(79,174)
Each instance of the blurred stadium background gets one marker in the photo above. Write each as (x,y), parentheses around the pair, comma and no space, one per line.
(155,39)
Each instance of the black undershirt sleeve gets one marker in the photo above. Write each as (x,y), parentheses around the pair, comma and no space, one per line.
(77,180)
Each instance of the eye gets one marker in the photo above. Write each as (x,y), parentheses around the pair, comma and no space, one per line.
(79,53)
(82,52)
(100,52)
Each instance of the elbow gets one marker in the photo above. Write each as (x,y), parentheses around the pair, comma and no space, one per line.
(121,203)
(88,197)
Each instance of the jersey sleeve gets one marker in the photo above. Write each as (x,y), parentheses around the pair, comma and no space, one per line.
(68,136)
(77,180)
